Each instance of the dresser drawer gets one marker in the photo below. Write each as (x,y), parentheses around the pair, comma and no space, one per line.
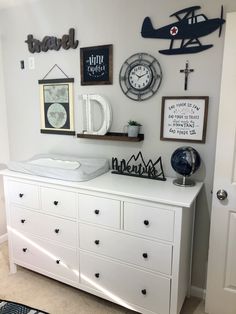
(131,285)
(24,194)
(59,202)
(99,210)
(150,221)
(146,253)
(55,259)
(37,223)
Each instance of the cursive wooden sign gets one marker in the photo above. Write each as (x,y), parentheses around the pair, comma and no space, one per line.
(52,43)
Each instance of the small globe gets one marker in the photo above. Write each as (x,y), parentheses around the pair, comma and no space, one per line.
(185,161)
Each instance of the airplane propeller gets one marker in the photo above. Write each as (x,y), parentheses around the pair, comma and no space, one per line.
(221,16)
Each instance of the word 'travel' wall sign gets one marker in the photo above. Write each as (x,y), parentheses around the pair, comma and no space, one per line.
(52,43)
(184,118)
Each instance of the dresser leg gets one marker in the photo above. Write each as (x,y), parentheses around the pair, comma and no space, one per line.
(13,268)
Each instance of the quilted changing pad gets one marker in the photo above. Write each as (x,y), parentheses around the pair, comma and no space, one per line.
(62,167)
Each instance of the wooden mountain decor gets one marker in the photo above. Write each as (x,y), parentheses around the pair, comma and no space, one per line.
(188,28)
(137,167)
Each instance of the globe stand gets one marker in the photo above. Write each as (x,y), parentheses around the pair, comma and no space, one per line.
(184,182)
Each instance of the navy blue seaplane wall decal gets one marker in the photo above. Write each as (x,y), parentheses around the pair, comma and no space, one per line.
(189,28)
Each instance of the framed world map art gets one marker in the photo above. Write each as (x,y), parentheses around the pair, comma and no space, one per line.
(57,109)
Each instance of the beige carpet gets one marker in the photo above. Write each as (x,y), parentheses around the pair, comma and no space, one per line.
(56,298)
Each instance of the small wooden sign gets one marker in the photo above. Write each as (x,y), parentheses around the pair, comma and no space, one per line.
(184,119)
(96,65)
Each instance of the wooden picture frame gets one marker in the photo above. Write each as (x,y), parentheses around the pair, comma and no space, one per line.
(96,65)
(57,108)
(184,118)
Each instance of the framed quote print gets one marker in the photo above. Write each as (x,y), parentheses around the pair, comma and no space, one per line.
(57,108)
(96,65)
(184,119)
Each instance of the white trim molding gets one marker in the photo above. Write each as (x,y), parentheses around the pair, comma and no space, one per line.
(198,292)
(3,238)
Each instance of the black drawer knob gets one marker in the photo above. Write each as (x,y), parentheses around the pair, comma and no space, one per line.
(146,222)
(55,203)
(21,195)
(145,255)
(58,261)
(144,291)
(97,275)
(96,242)
(22,221)
(57,230)
(24,249)
(96,211)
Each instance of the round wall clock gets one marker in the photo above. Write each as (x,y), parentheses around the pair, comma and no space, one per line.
(140,76)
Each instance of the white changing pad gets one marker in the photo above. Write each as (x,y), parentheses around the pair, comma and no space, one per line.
(62,167)
(56,163)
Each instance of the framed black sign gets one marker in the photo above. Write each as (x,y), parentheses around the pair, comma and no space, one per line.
(96,65)
(56,101)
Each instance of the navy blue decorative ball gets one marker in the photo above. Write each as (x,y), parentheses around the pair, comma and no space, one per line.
(185,160)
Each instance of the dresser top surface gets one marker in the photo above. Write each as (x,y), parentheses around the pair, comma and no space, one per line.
(164,192)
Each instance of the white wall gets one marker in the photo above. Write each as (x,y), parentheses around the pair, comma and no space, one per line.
(118,23)
(4,149)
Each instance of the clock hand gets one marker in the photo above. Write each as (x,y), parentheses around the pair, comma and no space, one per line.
(142,75)
(139,76)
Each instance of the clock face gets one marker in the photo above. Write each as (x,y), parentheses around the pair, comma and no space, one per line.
(140,77)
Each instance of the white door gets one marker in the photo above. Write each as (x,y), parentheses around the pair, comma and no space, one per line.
(221,283)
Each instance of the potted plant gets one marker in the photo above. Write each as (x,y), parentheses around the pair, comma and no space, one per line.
(133,128)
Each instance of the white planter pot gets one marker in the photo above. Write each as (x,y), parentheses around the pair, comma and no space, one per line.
(133,130)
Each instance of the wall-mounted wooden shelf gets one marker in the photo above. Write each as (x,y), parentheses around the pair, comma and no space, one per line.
(112,136)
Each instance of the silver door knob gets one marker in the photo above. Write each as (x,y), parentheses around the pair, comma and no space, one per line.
(221,195)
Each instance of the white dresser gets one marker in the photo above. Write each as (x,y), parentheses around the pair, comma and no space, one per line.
(125,239)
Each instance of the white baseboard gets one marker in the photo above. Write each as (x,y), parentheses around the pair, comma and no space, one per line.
(198,292)
(3,238)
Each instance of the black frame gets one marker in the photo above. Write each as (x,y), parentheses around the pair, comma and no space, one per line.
(103,65)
